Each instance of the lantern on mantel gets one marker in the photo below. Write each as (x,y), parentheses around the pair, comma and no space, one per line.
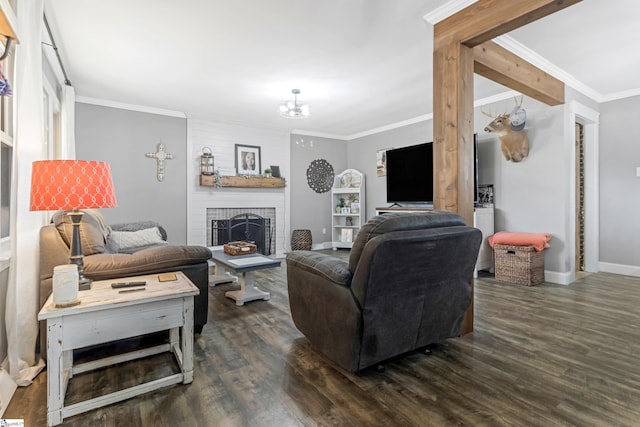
(206,162)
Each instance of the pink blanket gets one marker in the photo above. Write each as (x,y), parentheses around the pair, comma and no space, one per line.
(539,241)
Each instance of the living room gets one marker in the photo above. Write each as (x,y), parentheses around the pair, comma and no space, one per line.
(536,195)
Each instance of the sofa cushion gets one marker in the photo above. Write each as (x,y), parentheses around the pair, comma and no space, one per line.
(133,241)
(94,230)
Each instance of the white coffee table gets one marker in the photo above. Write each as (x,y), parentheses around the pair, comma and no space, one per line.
(245,265)
(104,315)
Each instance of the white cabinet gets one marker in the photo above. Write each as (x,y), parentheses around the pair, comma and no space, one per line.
(483,220)
(347,207)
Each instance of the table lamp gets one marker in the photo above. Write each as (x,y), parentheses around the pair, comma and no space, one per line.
(72,185)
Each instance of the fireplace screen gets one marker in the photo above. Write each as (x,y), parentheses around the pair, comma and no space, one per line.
(246,227)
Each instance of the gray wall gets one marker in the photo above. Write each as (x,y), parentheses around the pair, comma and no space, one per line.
(122,137)
(311,210)
(532,195)
(362,156)
(619,185)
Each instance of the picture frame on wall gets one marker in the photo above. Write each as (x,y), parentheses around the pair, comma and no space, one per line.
(248,160)
(381,162)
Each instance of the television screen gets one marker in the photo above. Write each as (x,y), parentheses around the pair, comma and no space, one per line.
(410,174)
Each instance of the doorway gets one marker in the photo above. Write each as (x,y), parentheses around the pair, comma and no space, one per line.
(580,208)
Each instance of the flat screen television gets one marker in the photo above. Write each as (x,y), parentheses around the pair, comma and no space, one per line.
(410,174)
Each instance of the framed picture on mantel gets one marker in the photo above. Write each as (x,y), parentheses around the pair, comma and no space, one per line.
(248,160)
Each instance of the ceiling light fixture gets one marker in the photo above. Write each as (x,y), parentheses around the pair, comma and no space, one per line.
(292,109)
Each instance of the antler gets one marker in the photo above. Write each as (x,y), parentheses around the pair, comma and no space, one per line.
(489,114)
(518,104)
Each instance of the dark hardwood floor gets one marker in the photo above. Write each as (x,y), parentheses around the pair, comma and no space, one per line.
(548,355)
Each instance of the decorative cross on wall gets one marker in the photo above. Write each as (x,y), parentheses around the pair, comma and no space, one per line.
(161,155)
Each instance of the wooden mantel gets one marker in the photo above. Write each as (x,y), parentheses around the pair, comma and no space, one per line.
(243,181)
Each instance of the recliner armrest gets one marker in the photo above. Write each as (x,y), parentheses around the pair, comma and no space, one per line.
(327,266)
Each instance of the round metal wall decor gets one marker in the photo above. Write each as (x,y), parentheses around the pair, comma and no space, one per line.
(320,176)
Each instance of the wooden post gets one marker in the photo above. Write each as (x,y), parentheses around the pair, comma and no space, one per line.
(453,66)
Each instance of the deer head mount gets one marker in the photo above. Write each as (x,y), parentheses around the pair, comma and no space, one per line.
(513,137)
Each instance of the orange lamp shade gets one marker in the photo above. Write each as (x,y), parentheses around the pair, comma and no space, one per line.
(71,184)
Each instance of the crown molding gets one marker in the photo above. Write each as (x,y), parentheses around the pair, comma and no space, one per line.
(132,107)
(391,126)
(620,95)
(446,10)
(319,134)
(547,66)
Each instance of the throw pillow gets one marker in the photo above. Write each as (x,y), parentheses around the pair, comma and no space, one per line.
(93,230)
(128,241)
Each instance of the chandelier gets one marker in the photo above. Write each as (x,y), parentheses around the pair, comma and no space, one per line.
(292,109)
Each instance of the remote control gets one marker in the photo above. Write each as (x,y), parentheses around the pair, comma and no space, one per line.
(127,285)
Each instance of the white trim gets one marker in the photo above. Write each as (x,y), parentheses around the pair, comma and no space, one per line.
(559,278)
(627,270)
(590,119)
(319,134)
(132,107)
(621,95)
(321,246)
(545,65)
(391,126)
(446,10)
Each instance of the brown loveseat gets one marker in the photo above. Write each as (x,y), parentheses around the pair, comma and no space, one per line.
(108,256)
(406,285)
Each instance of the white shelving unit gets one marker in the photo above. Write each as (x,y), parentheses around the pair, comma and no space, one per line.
(348,208)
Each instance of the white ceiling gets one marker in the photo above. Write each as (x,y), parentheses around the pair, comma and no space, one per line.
(360,64)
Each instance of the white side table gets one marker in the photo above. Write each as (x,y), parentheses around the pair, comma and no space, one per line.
(105,315)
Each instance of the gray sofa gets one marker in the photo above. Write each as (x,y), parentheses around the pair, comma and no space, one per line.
(406,285)
(122,250)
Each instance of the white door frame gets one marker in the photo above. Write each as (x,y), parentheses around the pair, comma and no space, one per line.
(590,119)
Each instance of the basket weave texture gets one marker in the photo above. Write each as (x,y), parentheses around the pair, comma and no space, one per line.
(522,265)
(301,240)
(240,248)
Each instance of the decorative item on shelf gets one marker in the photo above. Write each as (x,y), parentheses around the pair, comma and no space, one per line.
(294,109)
(346,210)
(320,176)
(267,172)
(346,235)
(240,248)
(275,171)
(340,205)
(355,207)
(206,162)
(348,221)
(301,240)
(161,155)
(72,185)
(211,180)
(248,160)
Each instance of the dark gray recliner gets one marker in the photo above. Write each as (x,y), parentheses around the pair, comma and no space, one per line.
(406,285)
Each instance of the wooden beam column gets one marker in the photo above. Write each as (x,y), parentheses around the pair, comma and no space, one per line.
(453,131)
(453,66)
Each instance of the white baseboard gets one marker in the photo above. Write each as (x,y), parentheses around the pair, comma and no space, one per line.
(559,278)
(627,270)
(321,246)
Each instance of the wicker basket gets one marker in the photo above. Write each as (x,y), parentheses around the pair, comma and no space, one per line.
(522,265)
(301,240)
(240,248)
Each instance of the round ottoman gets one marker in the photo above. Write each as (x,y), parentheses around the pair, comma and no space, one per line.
(301,240)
